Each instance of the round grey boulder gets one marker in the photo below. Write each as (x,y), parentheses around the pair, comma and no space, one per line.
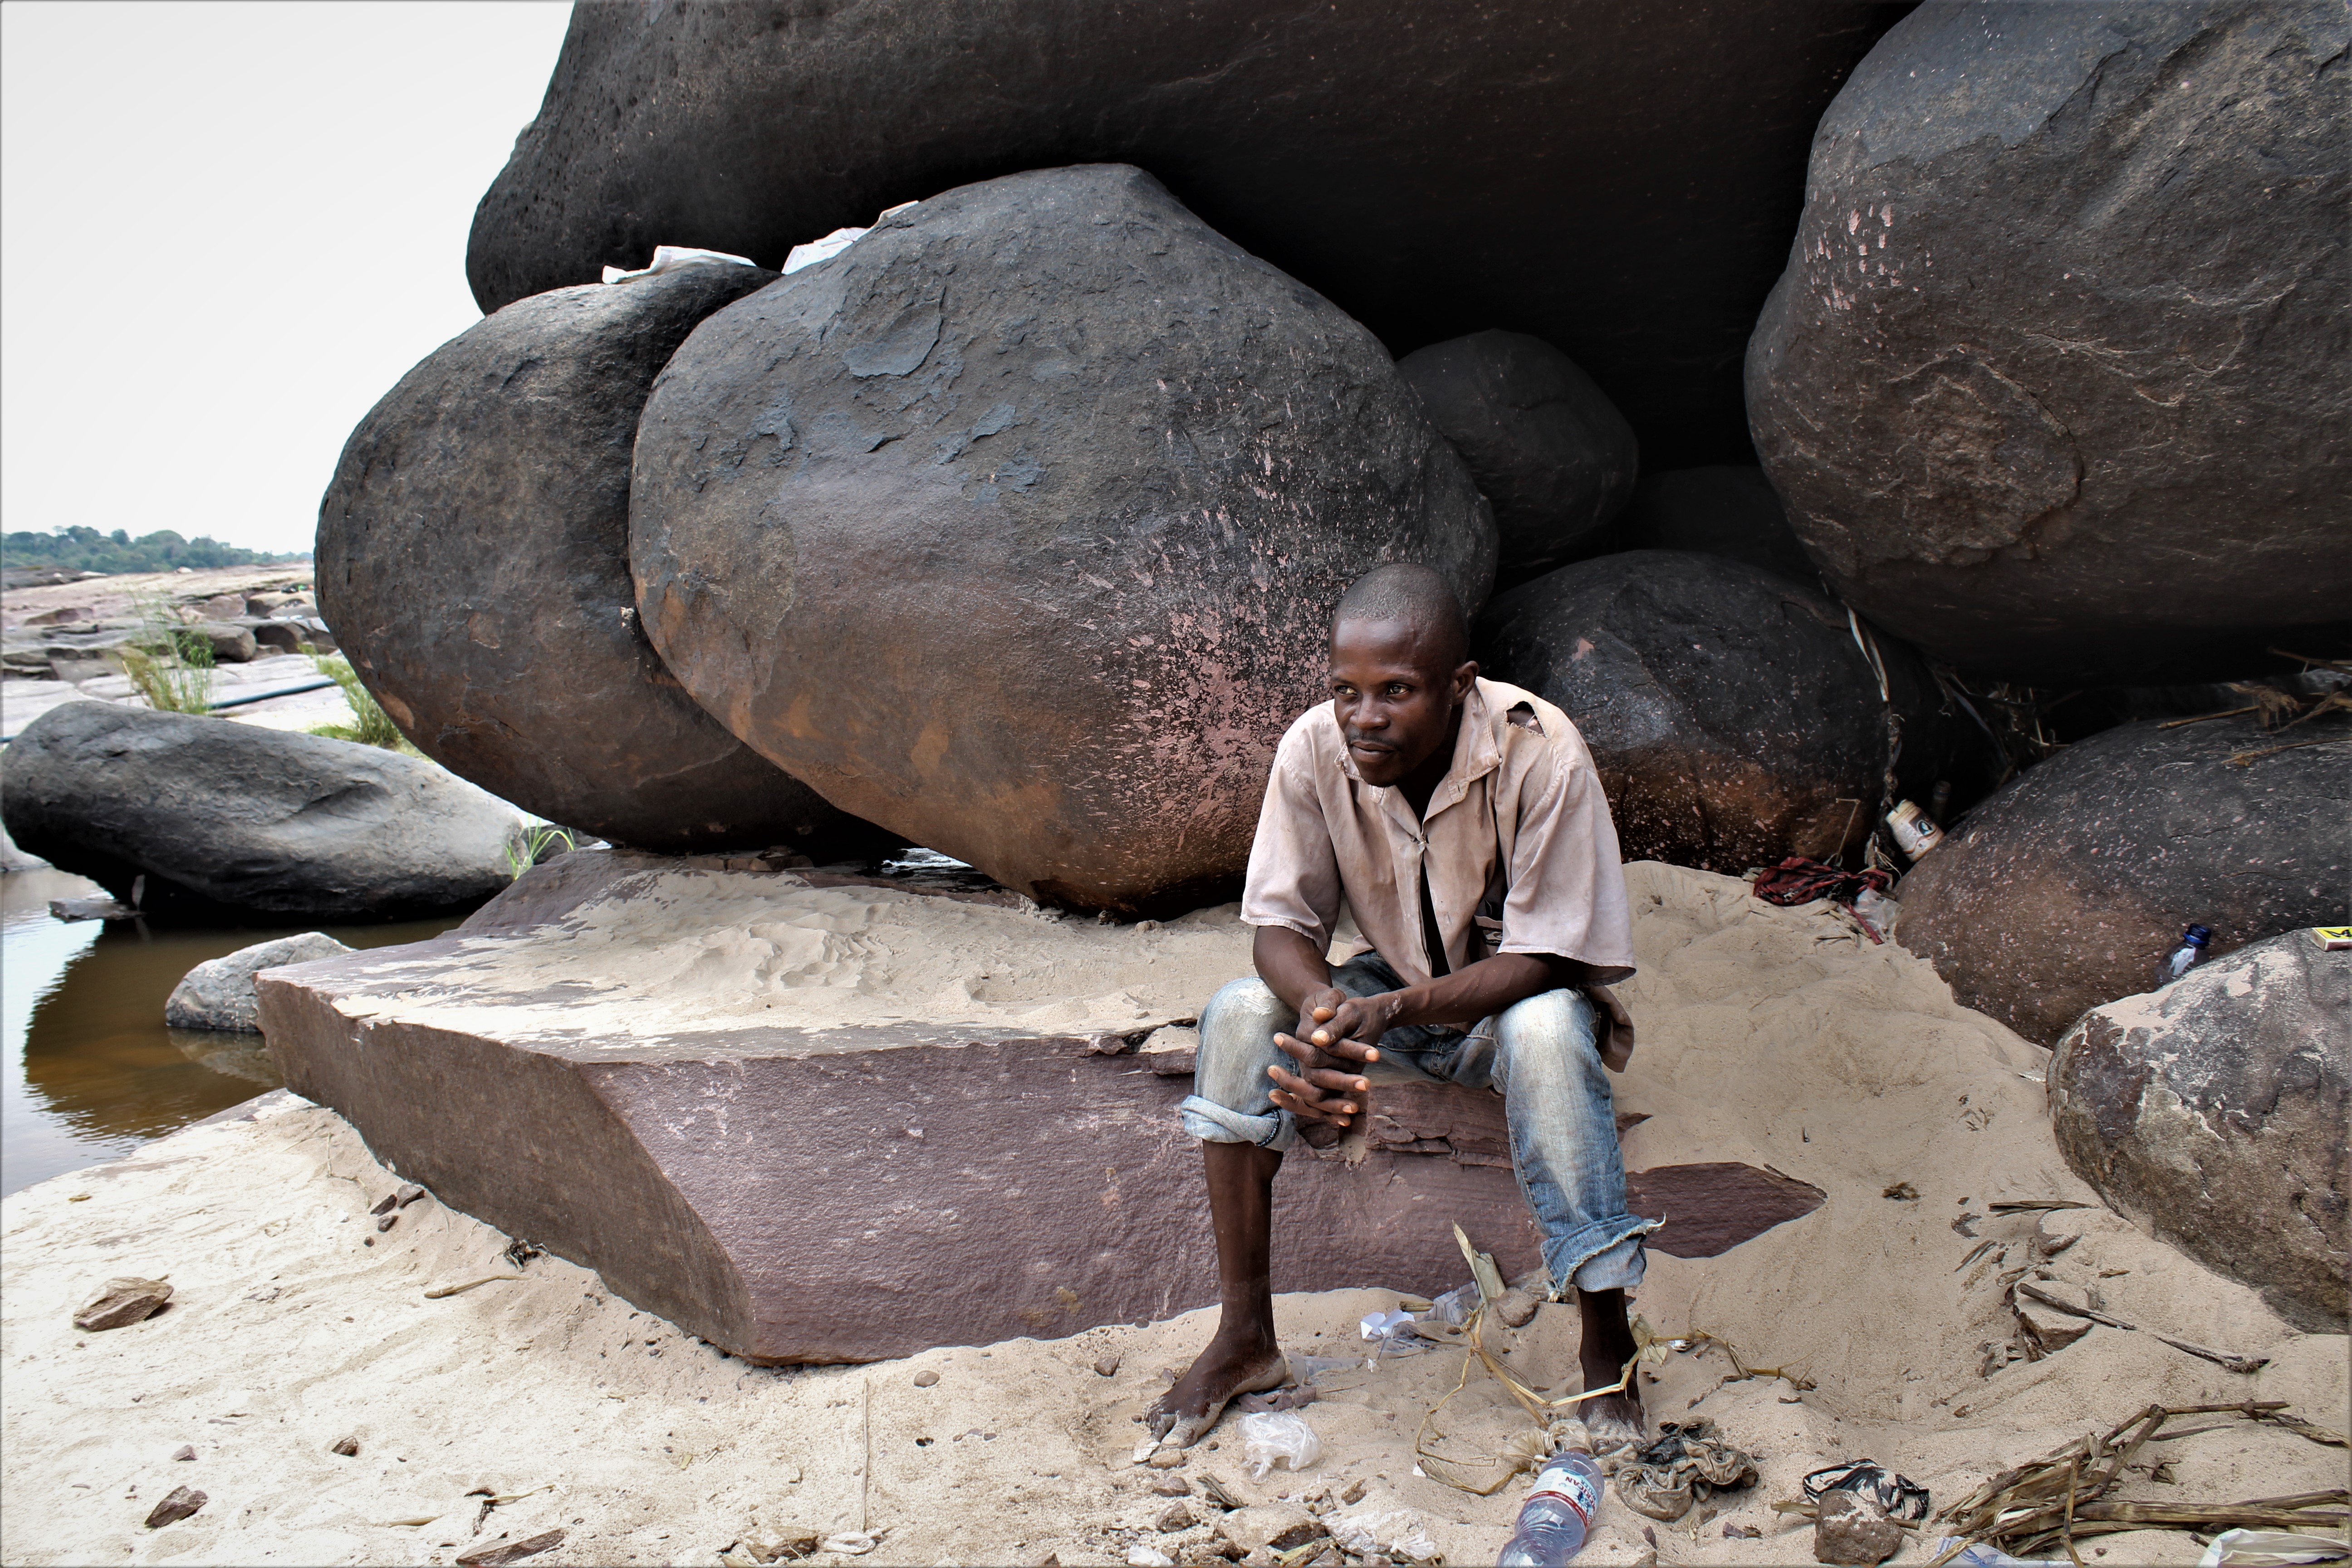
(2054,378)
(1547,447)
(2212,1113)
(1618,179)
(1732,718)
(218,992)
(229,822)
(1016,528)
(472,558)
(2060,893)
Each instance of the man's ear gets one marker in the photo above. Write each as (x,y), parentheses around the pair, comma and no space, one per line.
(1464,674)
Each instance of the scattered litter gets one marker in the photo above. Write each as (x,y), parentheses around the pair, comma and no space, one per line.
(123,1302)
(1397,1533)
(177,1504)
(2263,1548)
(1902,1193)
(2244,1366)
(1148,1557)
(519,1252)
(1686,1464)
(852,1542)
(671,258)
(1983,1556)
(1898,1497)
(825,249)
(1277,1437)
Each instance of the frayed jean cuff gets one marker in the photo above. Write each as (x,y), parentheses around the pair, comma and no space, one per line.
(1214,1123)
(1604,1256)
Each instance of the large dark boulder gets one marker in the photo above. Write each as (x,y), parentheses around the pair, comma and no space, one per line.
(2213,1114)
(1016,528)
(2061,892)
(233,821)
(1732,716)
(1724,510)
(1549,451)
(472,558)
(1618,179)
(2054,378)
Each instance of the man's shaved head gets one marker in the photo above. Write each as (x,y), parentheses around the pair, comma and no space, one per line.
(1415,596)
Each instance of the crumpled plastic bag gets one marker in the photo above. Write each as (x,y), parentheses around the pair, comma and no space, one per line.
(1898,1497)
(670,258)
(1277,1437)
(1390,1531)
(2261,1548)
(833,244)
(1984,1554)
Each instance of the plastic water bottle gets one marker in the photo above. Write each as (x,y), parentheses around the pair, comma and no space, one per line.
(2182,958)
(1558,1514)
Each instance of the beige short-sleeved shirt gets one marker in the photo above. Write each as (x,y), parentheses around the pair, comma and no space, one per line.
(1517,831)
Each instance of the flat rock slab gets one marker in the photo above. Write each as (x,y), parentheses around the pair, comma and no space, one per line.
(849,1194)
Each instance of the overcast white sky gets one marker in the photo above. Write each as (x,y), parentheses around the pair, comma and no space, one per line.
(226,230)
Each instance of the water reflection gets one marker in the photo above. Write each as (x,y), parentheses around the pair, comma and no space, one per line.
(95,1071)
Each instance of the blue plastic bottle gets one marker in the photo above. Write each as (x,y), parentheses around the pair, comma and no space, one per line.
(1558,1514)
(2181,959)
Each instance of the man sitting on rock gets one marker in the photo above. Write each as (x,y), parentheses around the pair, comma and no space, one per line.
(1461,822)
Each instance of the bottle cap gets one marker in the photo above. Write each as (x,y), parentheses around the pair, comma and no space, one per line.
(2197,936)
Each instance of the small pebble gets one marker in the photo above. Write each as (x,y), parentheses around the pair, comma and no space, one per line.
(180,1502)
(1171,1486)
(1106,1366)
(386,1203)
(925,1378)
(187,1451)
(1354,1494)
(1165,1460)
(1175,1516)
(349,1448)
(409,1194)
(367,1241)
(386,1222)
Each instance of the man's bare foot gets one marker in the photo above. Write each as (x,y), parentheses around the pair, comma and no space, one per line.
(1223,1372)
(1614,1419)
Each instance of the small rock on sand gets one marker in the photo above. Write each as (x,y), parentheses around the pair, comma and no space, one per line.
(511,1551)
(1166,1459)
(1852,1529)
(1106,1366)
(1171,1486)
(186,1451)
(1173,1518)
(180,1502)
(409,1193)
(126,1301)
(1278,1527)
(1516,1307)
(349,1448)
(926,1378)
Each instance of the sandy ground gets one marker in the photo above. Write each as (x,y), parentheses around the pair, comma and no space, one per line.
(1769,1036)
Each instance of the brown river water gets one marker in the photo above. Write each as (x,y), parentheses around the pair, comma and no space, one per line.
(91,1071)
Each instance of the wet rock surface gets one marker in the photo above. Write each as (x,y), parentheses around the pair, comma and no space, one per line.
(227,821)
(1617,180)
(2213,1114)
(218,993)
(2052,381)
(473,556)
(1016,528)
(2061,892)
(1732,718)
(1548,449)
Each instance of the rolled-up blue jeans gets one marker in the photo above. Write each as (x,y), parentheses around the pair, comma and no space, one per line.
(1542,1056)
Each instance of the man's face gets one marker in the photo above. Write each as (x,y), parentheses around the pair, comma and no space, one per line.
(1393,694)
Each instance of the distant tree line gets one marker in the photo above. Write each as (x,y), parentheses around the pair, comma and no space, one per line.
(87,549)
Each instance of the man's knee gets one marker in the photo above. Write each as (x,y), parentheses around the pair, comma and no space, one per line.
(1244,1014)
(1550,1038)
